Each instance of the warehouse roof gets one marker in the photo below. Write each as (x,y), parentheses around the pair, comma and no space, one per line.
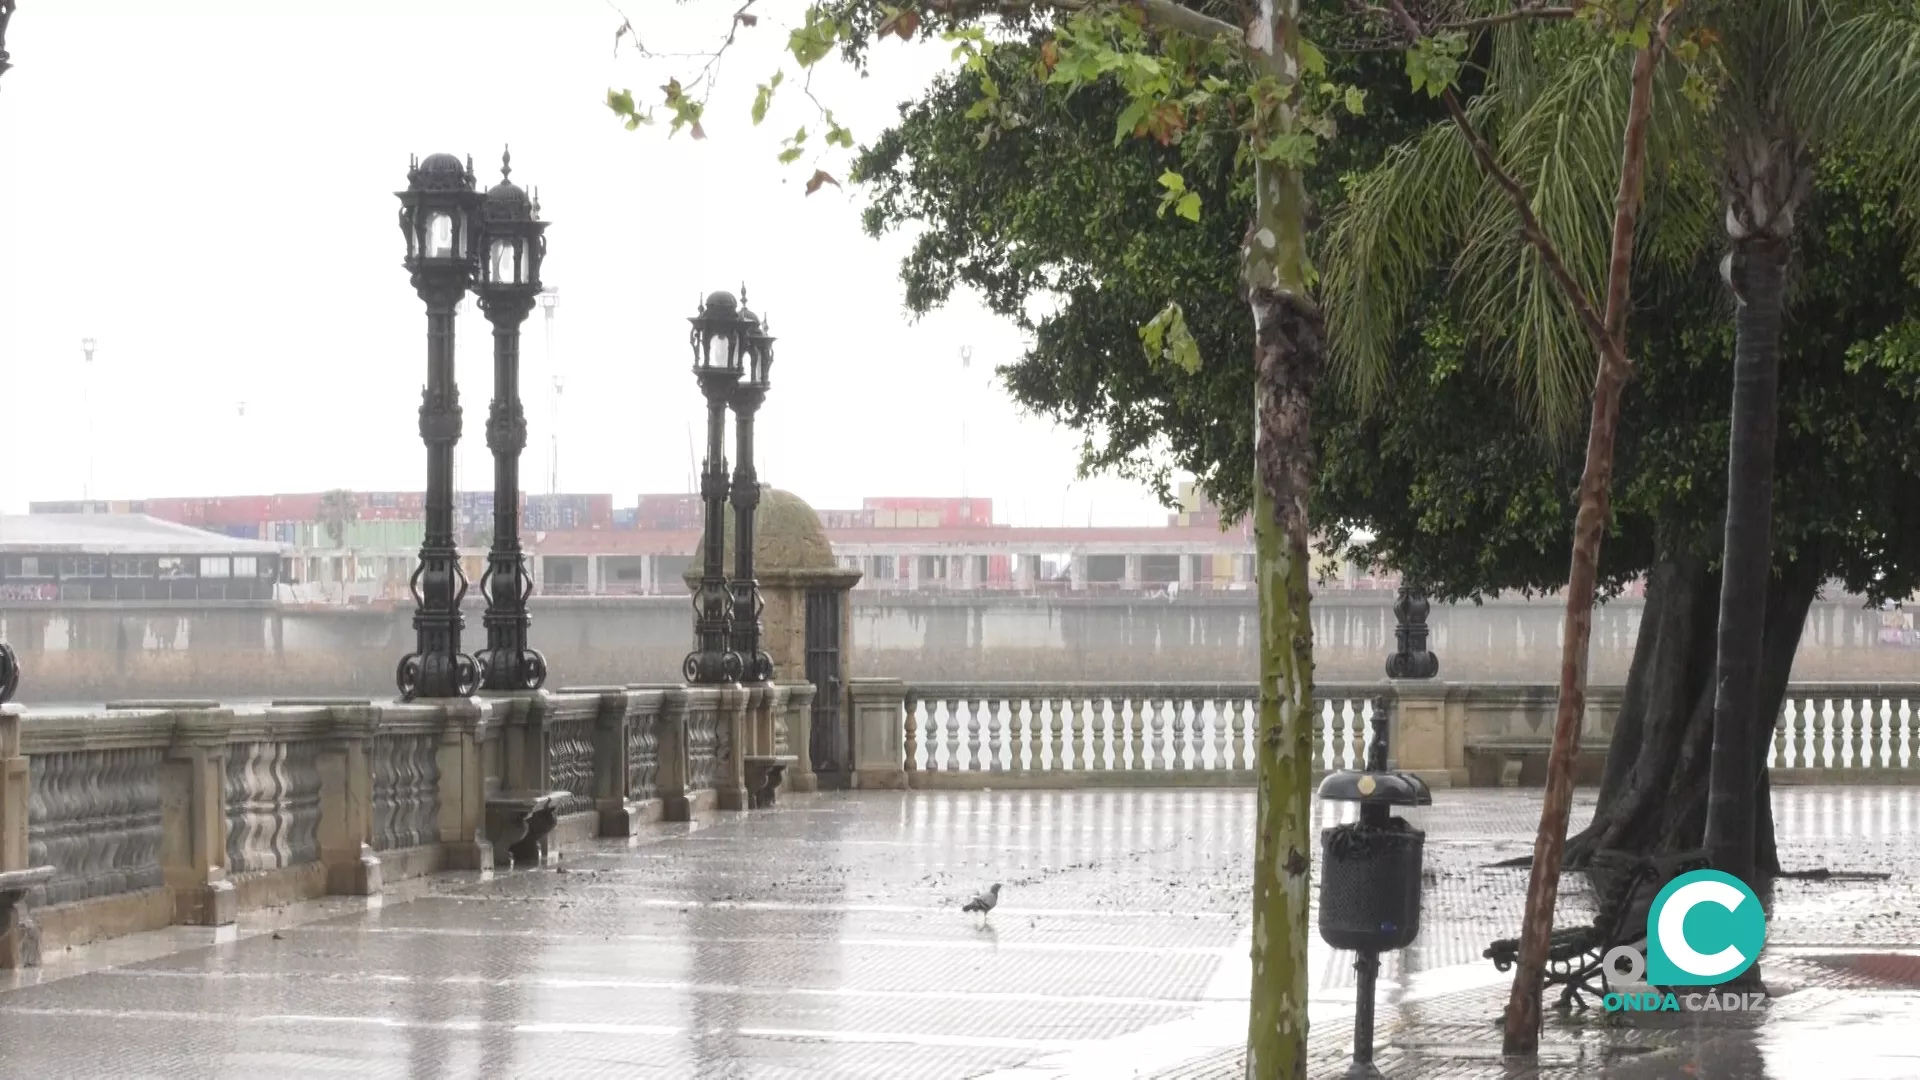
(117,534)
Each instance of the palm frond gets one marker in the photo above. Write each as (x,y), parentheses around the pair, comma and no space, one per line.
(1399,222)
(1859,86)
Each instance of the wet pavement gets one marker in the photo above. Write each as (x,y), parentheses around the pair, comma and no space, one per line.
(823,939)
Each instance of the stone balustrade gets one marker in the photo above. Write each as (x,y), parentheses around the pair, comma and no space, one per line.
(188,812)
(1074,734)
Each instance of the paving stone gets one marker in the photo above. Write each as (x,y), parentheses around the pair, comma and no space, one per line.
(822,939)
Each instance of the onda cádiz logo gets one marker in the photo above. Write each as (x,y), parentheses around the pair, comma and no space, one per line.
(1704,929)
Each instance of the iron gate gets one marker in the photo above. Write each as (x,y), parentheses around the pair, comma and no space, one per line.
(829,740)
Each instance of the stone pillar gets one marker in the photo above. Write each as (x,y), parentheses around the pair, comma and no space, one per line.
(1186,572)
(1428,733)
(193,808)
(538,563)
(913,573)
(594,586)
(346,803)
(649,574)
(1130,575)
(13,792)
(879,741)
(1077,572)
(671,738)
(799,737)
(729,771)
(968,578)
(523,744)
(1023,572)
(619,813)
(463,783)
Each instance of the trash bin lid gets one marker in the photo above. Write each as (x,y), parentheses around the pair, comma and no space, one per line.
(1391,788)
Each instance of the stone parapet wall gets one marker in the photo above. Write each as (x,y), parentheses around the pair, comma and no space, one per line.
(87,653)
(191,812)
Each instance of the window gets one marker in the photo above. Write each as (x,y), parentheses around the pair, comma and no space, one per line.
(245,566)
(215,566)
(173,566)
(29,566)
(135,566)
(83,566)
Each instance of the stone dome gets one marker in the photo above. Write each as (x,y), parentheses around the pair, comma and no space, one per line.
(787,537)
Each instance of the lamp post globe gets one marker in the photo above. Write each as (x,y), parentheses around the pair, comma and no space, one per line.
(512,244)
(719,340)
(749,393)
(439,213)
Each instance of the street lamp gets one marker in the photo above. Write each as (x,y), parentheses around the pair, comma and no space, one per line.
(438,215)
(747,397)
(720,346)
(1410,658)
(6,13)
(512,243)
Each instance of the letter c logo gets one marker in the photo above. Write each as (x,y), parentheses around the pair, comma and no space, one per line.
(1723,911)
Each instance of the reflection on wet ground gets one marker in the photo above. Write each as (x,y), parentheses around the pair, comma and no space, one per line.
(823,938)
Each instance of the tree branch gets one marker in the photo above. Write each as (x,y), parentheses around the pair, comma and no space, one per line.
(1530,227)
(1522,12)
(1166,14)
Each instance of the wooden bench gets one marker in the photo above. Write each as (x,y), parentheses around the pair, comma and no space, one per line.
(518,823)
(764,772)
(1576,955)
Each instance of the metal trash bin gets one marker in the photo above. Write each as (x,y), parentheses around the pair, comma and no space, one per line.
(1370,874)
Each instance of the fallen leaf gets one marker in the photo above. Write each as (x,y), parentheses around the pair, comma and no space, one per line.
(747,20)
(820,177)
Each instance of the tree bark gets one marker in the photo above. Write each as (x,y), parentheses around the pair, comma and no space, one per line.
(1289,354)
(1654,798)
(1757,272)
(1522,1030)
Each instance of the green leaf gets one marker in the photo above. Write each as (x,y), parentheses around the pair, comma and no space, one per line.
(761,99)
(790,155)
(1312,60)
(620,102)
(1173,182)
(1356,100)
(1189,206)
(1130,118)
(1166,338)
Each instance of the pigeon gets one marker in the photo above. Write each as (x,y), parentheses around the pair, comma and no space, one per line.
(985,902)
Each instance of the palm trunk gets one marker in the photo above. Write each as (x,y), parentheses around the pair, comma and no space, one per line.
(1289,354)
(1757,272)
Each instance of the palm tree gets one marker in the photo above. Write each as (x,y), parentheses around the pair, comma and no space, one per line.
(1760,92)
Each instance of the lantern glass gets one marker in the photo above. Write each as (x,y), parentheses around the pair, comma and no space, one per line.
(439,235)
(720,352)
(503,262)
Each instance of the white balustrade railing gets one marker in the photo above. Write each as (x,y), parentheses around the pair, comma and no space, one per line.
(1826,732)
(1824,727)
(1097,727)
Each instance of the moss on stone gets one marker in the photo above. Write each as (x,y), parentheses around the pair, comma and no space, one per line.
(787,536)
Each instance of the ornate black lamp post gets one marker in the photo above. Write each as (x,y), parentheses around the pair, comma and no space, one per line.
(720,345)
(439,213)
(9,663)
(1410,658)
(6,12)
(748,396)
(513,243)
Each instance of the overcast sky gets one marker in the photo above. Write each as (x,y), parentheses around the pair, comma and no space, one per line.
(206,188)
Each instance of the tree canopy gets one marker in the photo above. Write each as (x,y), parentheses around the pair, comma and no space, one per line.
(1053,224)
(1064,229)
